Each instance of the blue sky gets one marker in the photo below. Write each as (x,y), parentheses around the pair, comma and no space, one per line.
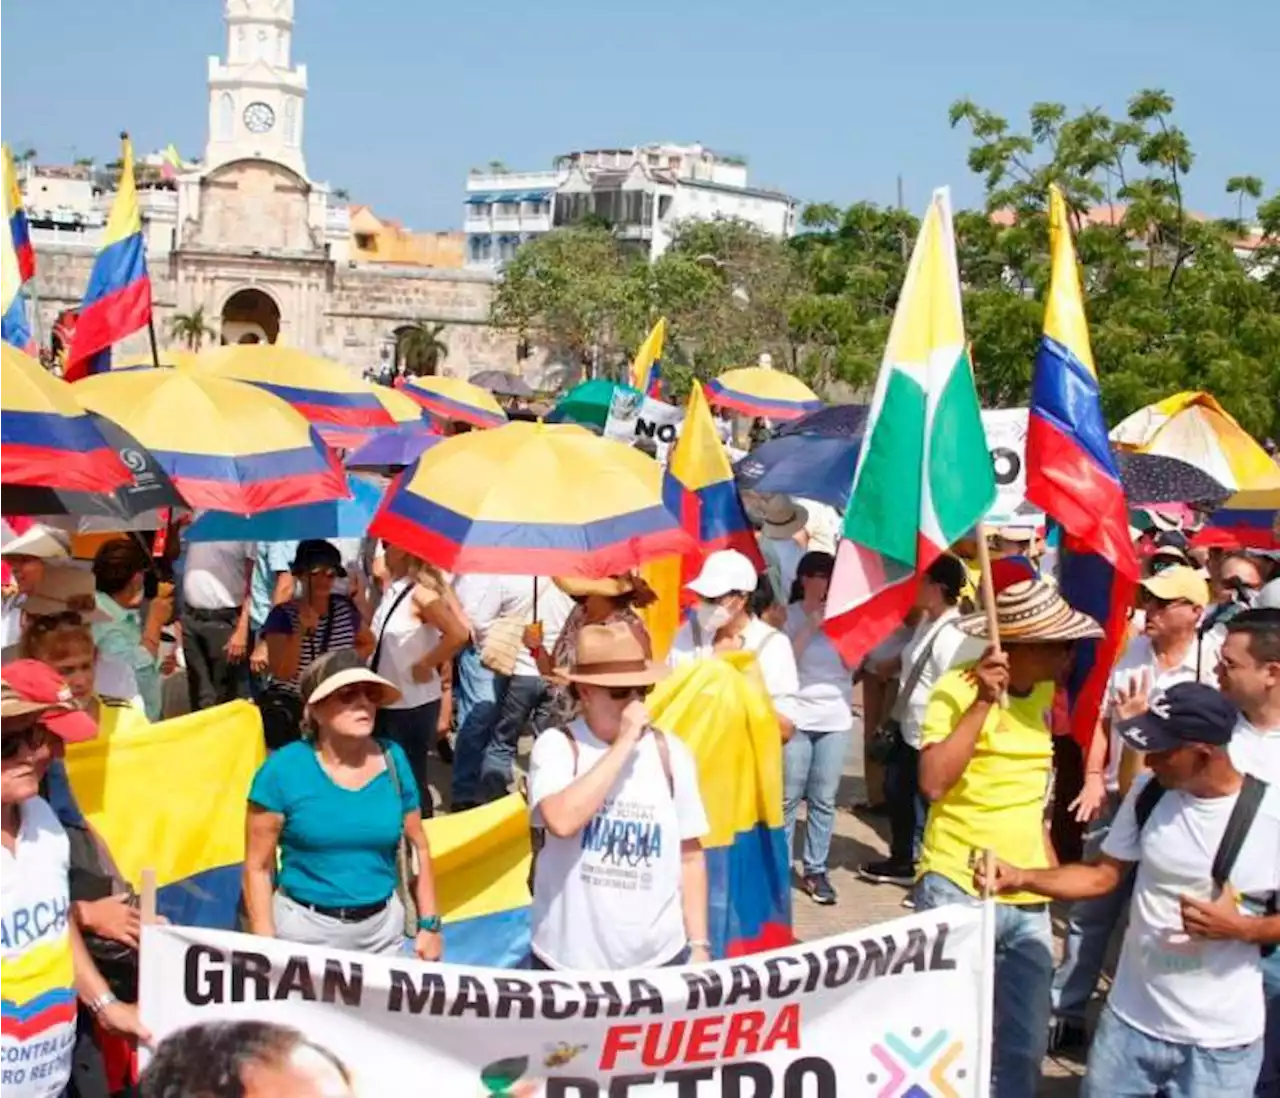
(828,100)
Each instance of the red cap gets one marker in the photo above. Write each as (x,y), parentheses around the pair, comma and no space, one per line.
(34,687)
(1010,570)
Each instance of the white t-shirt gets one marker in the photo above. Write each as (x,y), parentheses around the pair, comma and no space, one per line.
(1256,751)
(1169,985)
(950,647)
(1139,657)
(486,598)
(824,701)
(35,957)
(213,574)
(788,552)
(774,655)
(609,897)
(405,641)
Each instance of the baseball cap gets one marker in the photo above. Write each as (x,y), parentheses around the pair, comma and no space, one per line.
(723,572)
(1179,582)
(1188,712)
(43,542)
(29,686)
(62,588)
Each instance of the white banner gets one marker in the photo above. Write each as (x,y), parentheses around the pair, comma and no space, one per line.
(633,417)
(1006,430)
(890,1010)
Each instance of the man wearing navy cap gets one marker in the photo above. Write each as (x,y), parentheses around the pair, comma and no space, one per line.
(1186,1012)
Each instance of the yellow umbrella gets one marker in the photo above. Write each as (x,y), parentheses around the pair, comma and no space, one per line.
(534,499)
(763,391)
(401,408)
(177,357)
(324,392)
(226,446)
(453,398)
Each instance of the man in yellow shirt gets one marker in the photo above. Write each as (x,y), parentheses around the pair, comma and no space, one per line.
(986,765)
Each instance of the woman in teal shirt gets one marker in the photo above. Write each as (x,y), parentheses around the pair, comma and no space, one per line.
(334,806)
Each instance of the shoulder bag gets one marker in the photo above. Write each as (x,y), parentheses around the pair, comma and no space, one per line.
(885,739)
(281,707)
(405,876)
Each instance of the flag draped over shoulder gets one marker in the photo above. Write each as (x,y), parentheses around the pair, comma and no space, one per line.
(701,489)
(171,797)
(646,370)
(924,477)
(117,301)
(1072,477)
(720,710)
(18,263)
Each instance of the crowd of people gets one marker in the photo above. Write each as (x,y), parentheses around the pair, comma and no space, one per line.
(373,670)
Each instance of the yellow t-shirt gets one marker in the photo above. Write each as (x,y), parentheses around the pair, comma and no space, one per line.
(998,804)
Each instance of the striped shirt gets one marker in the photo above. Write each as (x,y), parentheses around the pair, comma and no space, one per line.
(337,628)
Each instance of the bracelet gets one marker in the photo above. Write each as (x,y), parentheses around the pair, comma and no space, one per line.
(1094,773)
(102,1002)
(430,924)
(700,943)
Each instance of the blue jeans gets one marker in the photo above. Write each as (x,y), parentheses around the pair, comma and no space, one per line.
(1126,1063)
(1024,970)
(476,709)
(518,698)
(811,766)
(1269,1076)
(1090,925)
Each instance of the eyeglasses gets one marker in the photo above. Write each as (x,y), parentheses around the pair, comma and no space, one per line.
(626,693)
(31,738)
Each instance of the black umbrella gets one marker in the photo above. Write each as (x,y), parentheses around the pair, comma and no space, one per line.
(1154,478)
(836,421)
(150,490)
(502,382)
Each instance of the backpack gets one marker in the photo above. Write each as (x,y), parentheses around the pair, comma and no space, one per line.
(1242,815)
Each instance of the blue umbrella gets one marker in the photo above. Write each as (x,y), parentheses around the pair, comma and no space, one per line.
(813,466)
(394,446)
(343,518)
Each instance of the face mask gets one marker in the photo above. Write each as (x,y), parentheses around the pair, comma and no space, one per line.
(712,617)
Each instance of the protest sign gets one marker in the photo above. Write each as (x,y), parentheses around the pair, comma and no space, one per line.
(892,1010)
(1006,430)
(634,416)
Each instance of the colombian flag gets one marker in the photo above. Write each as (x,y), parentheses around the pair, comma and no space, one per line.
(1248,520)
(117,301)
(1072,477)
(720,709)
(17,218)
(646,370)
(38,1014)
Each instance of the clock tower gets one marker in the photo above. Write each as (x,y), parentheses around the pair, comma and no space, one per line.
(256,97)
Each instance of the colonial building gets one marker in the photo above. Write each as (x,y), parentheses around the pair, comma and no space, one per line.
(249,237)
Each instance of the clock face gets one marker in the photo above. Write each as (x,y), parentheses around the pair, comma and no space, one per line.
(259,118)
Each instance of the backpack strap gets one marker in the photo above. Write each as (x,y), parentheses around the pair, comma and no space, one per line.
(1246,808)
(573,746)
(664,755)
(1147,801)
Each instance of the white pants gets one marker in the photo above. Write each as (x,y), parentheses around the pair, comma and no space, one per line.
(380,933)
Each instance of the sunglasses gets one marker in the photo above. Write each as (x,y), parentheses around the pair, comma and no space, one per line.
(31,738)
(46,623)
(1154,602)
(626,693)
(332,573)
(356,692)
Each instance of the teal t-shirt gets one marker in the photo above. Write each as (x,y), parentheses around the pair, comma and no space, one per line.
(337,846)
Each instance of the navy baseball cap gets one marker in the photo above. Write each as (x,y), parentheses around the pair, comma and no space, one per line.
(1189,712)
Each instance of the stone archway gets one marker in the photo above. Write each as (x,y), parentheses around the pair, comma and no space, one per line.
(250,316)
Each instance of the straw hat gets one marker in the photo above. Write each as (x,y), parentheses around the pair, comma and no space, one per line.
(1033,612)
(610,587)
(783,517)
(42,542)
(611,655)
(65,588)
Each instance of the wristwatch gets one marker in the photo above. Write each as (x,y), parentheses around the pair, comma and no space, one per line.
(430,923)
(101,1003)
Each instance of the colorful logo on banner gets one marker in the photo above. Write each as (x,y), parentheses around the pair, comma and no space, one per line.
(917,1068)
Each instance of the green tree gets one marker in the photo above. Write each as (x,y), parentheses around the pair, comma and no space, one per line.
(420,349)
(1244,186)
(191,328)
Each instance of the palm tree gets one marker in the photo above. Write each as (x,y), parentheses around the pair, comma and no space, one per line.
(190,328)
(421,350)
(1242,186)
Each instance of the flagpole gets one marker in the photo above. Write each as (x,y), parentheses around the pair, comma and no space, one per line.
(987,588)
(151,333)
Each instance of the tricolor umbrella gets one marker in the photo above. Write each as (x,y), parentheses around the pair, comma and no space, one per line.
(400,408)
(340,518)
(46,440)
(407,415)
(763,391)
(453,398)
(533,499)
(324,392)
(226,446)
(180,358)
(1248,520)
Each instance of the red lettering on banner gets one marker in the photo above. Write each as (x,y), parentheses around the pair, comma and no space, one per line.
(702,1040)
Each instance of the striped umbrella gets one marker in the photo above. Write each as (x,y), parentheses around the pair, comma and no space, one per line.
(226,446)
(453,398)
(324,392)
(534,499)
(46,440)
(763,391)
